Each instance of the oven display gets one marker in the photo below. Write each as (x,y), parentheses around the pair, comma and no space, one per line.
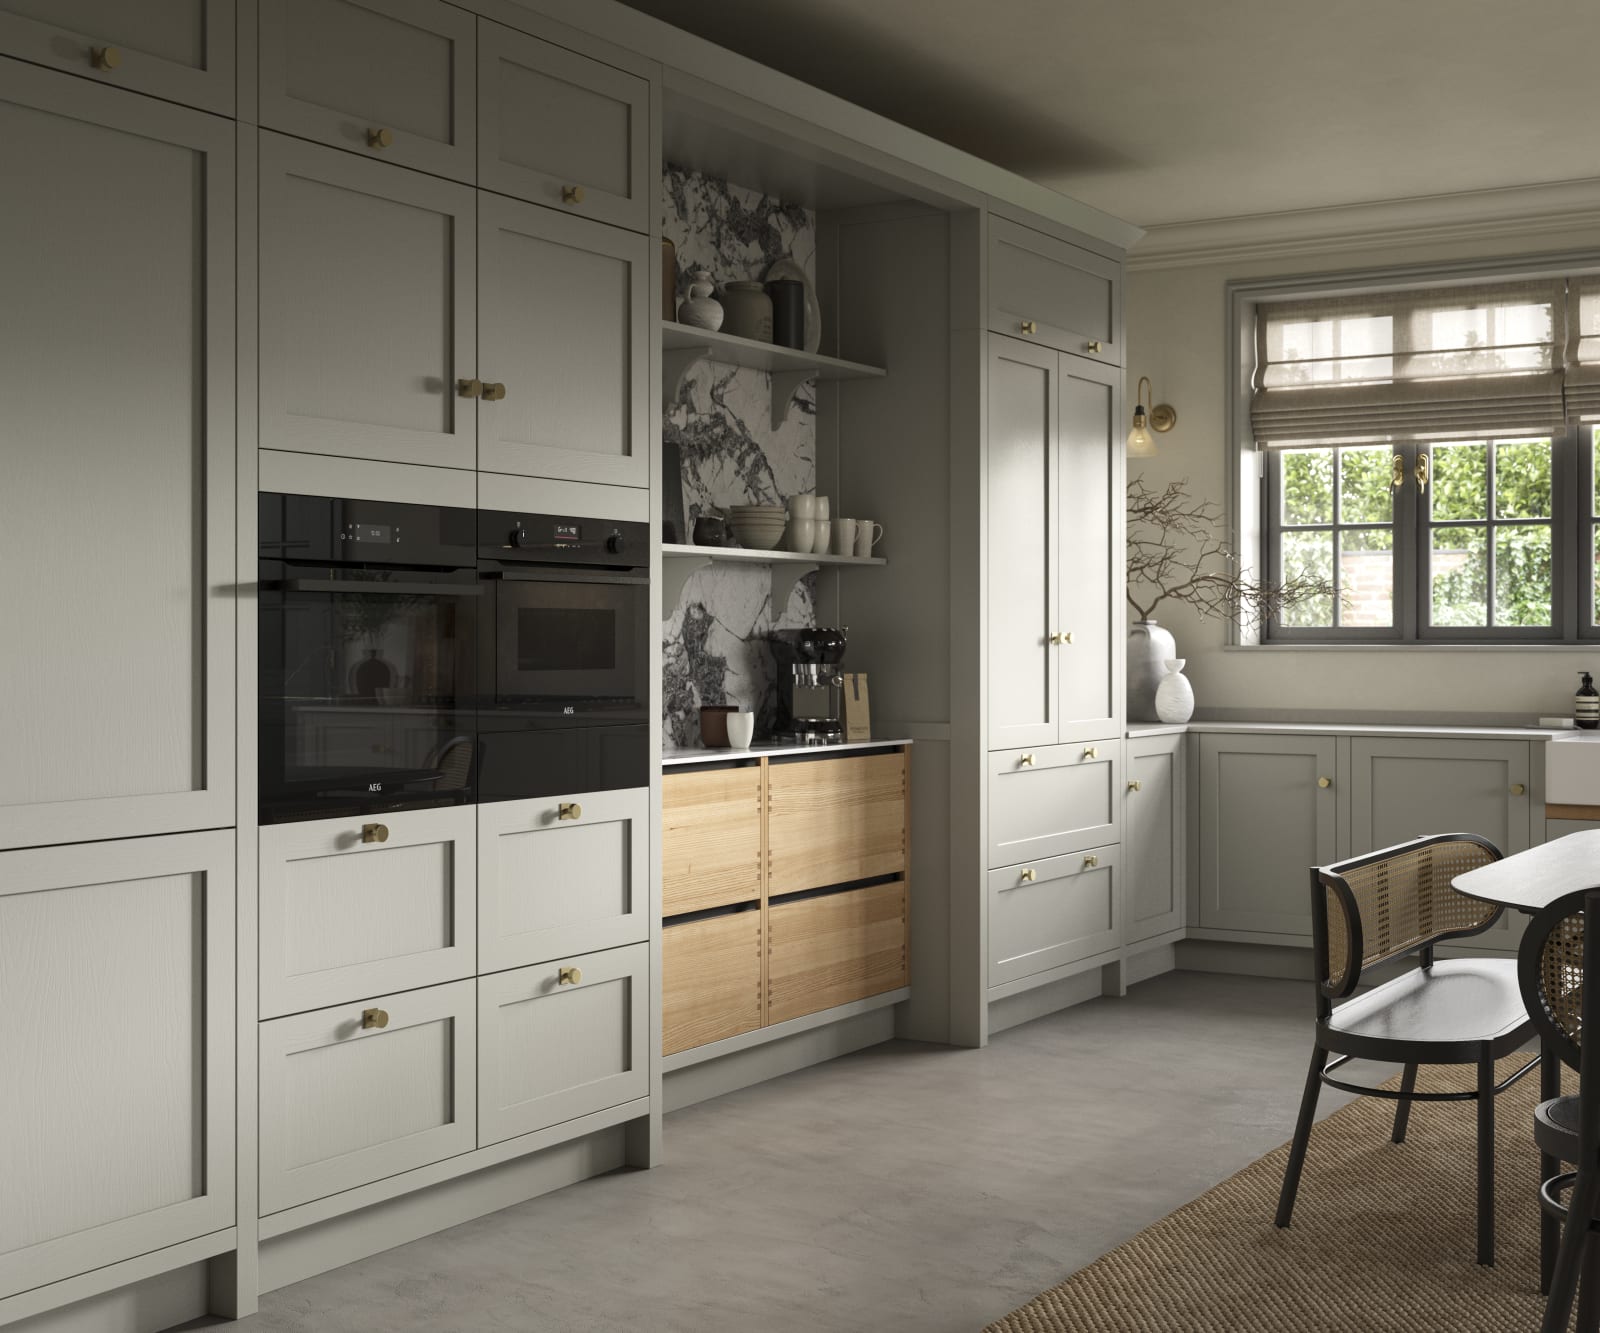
(568,533)
(370,532)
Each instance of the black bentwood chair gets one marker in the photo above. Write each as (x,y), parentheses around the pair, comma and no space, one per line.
(1385,906)
(1556,956)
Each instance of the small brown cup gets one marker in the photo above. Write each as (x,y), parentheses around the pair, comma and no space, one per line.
(714,725)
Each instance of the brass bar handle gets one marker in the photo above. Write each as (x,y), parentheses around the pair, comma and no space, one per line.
(1028,326)
(1422,474)
(469,388)
(1090,862)
(105,57)
(1025,761)
(379,138)
(1094,344)
(1028,876)
(572,194)
(570,976)
(374,833)
(570,810)
(1135,785)
(1091,752)
(1324,782)
(1518,789)
(493,391)
(374,1018)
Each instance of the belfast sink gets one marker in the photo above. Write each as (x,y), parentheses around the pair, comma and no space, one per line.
(1572,769)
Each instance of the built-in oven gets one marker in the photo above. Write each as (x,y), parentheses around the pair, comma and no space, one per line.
(368,626)
(565,655)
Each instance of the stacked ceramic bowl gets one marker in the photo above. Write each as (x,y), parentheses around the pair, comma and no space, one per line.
(758,526)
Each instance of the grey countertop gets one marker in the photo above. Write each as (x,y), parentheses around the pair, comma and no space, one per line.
(674,757)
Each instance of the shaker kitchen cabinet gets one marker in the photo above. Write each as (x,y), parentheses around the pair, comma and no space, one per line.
(1153,838)
(179,50)
(117,504)
(1052,912)
(117,1039)
(1051,292)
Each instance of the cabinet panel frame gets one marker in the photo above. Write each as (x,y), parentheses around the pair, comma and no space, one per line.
(1063,871)
(1006,765)
(1002,319)
(1143,827)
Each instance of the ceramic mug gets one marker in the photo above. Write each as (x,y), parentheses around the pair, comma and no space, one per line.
(741,730)
(802,535)
(822,507)
(868,535)
(823,537)
(803,506)
(844,536)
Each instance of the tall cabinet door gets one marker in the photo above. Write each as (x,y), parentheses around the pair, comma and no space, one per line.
(117,1040)
(367,308)
(565,334)
(117,463)
(1023,544)
(1089,653)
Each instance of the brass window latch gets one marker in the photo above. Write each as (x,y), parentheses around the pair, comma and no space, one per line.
(1399,478)
(1422,474)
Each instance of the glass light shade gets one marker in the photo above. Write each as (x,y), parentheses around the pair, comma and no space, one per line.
(1141,443)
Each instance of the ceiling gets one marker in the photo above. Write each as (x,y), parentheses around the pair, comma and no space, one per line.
(1163,111)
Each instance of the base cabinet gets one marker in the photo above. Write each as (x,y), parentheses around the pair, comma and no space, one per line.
(1154,889)
(1053,912)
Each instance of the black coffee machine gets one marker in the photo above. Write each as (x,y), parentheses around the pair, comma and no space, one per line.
(810,685)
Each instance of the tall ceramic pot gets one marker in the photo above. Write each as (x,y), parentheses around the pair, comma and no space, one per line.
(1149,648)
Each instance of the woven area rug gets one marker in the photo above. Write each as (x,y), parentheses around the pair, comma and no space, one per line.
(1383,1237)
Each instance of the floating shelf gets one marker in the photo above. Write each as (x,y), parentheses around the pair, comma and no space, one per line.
(678,562)
(682,347)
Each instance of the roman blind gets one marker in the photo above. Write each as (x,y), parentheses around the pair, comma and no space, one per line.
(1583,348)
(1471,361)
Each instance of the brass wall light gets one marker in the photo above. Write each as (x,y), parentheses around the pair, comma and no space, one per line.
(1161,417)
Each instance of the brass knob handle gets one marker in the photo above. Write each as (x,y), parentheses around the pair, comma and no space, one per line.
(1094,344)
(1090,862)
(1027,876)
(1324,782)
(1058,637)
(1090,752)
(469,388)
(1135,785)
(572,194)
(1025,761)
(493,391)
(1028,326)
(374,1018)
(570,810)
(1517,789)
(105,57)
(379,138)
(374,833)
(569,976)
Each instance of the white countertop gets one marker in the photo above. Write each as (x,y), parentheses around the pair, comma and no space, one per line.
(766,750)
(1355,729)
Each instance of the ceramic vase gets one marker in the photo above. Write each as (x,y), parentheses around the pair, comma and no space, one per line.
(748,311)
(1174,695)
(1150,647)
(701,310)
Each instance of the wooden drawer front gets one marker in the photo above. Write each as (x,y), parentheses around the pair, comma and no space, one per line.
(342,70)
(548,886)
(710,979)
(551,1050)
(180,50)
(367,308)
(1070,296)
(710,839)
(831,821)
(835,948)
(550,120)
(342,1105)
(1067,911)
(342,918)
(1067,798)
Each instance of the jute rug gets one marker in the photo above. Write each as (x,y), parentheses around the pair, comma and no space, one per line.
(1383,1237)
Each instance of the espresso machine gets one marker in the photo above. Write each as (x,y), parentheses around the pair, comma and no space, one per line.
(810,685)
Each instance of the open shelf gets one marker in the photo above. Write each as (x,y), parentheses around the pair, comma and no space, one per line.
(682,347)
(678,562)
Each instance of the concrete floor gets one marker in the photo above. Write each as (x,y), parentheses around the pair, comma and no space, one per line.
(907,1187)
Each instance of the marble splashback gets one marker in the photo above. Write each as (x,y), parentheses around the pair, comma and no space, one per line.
(715,648)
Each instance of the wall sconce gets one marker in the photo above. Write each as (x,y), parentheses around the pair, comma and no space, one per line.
(1161,417)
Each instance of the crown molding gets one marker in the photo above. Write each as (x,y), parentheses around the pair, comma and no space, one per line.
(1523,211)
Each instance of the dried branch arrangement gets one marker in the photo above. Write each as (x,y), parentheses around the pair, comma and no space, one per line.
(1177,552)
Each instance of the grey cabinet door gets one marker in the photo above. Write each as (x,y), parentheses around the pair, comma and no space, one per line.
(1265,820)
(178,50)
(117,459)
(1049,913)
(1051,292)
(1022,560)
(1153,837)
(1053,800)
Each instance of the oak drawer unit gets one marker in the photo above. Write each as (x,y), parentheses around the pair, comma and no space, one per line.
(559,129)
(834,821)
(829,949)
(1049,291)
(710,838)
(1052,912)
(562,1039)
(710,979)
(389,79)
(562,876)
(366,1090)
(353,907)
(1054,799)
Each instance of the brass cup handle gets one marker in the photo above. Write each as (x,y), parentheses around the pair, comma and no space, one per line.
(493,391)
(1027,876)
(374,833)
(1028,326)
(1025,761)
(1091,752)
(569,976)
(1135,785)
(1324,782)
(570,810)
(105,57)
(469,388)
(374,1018)
(572,194)
(1094,344)
(1518,789)
(1090,862)
(377,138)
(1061,636)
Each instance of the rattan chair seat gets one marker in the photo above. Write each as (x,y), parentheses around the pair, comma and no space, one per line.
(1457,1002)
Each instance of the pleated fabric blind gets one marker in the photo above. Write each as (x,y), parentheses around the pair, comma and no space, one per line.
(1583,349)
(1466,361)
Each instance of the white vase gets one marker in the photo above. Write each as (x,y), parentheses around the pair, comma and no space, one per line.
(1174,696)
(701,310)
(1149,648)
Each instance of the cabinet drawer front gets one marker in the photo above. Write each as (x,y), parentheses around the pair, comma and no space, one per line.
(341,71)
(117,1036)
(367,308)
(1070,296)
(834,948)
(342,1105)
(1067,911)
(710,839)
(342,918)
(832,821)
(551,1050)
(710,979)
(1055,799)
(566,330)
(180,50)
(549,886)
(551,121)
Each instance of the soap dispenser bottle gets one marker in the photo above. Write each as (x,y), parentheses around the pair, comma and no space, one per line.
(1586,704)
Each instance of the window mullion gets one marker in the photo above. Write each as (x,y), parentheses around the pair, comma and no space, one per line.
(1410,564)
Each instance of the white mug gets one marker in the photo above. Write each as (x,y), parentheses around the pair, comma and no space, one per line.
(822,507)
(803,506)
(802,534)
(868,535)
(741,730)
(844,536)
(823,536)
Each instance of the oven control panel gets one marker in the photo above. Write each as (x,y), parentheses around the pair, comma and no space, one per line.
(562,539)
